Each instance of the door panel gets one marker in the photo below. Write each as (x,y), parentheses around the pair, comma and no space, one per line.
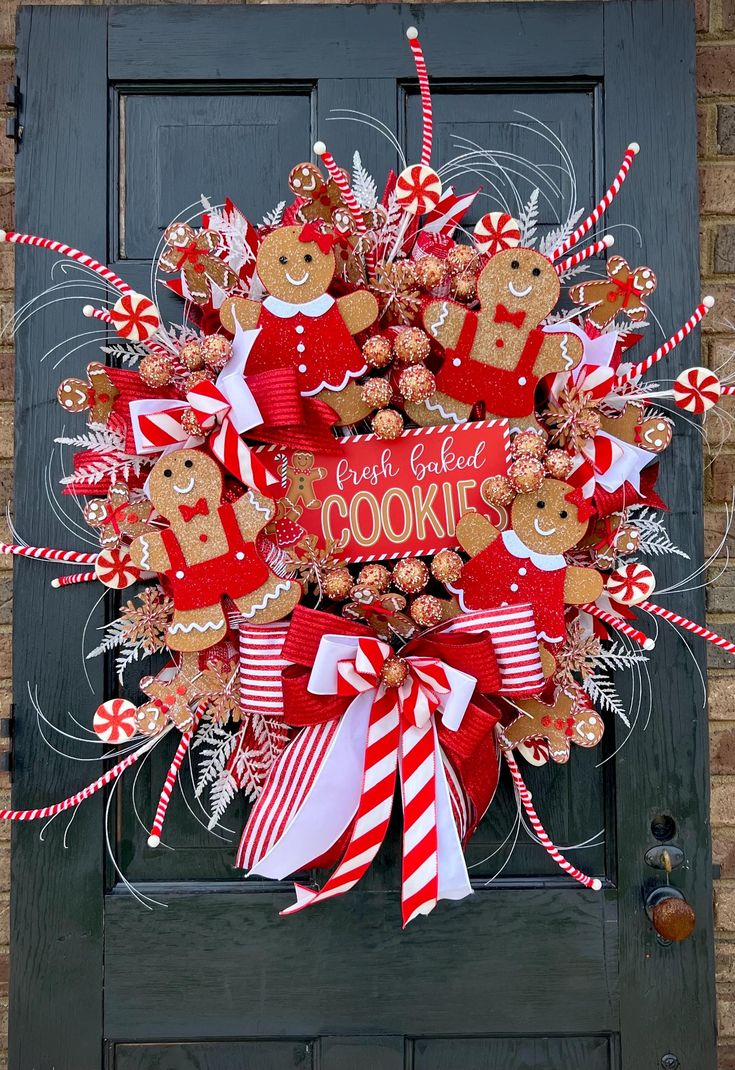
(532,972)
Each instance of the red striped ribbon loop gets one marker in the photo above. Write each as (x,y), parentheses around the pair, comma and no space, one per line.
(225,410)
(337,779)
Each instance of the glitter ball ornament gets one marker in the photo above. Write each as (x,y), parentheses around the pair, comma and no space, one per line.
(192,356)
(460,258)
(416,383)
(427,610)
(528,443)
(412,346)
(498,490)
(446,566)
(376,576)
(410,575)
(387,424)
(430,272)
(394,672)
(195,378)
(376,393)
(377,352)
(558,464)
(217,351)
(337,584)
(190,423)
(526,474)
(156,370)
(464,286)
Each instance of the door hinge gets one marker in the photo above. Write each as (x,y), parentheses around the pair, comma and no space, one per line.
(13,100)
(6,733)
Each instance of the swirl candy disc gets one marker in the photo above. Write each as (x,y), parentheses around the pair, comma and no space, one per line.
(418,189)
(135,317)
(697,390)
(631,584)
(115,568)
(114,721)
(496,231)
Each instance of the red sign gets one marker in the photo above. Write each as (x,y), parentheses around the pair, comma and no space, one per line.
(395,499)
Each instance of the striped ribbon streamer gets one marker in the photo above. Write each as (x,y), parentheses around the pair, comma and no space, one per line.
(427,112)
(67,250)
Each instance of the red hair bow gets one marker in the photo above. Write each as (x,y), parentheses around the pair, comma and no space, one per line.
(313,232)
(585,506)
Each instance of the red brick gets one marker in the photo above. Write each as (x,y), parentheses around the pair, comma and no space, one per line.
(727,15)
(7,23)
(723,853)
(722,752)
(702,15)
(7,267)
(718,320)
(721,696)
(715,69)
(722,477)
(726,1057)
(7,206)
(726,129)
(717,188)
(724,259)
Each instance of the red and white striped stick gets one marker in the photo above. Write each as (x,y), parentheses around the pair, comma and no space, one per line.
(76,577)
(67,250)
(97,313)
(526,799)
(91,789)
(645,365)
(620,625)
(728,391)
(157,827)
(689,626)
(427,113)
(584,254)
(335,173)
(69,557)
(584,227)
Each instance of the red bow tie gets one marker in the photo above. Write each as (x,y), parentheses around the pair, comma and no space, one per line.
(188,512)
(313,232)
(502,315)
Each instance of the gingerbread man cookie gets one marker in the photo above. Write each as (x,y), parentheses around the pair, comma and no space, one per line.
(496,356)
(525,564)
(209,552)
(301,475)
(117,517)
(624,290)
(97,394)
(191,253)
(565,722)
(301,324)
(652,432)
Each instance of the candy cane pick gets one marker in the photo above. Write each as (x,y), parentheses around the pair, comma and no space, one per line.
(76,577)
(689,626)
(91,789)
(645,365)
(337,175)
(584,227)
(66,250)
(584,254)
(526,799)
(68,557)
(619,625)
(157,827)
(97,313)
(427,114)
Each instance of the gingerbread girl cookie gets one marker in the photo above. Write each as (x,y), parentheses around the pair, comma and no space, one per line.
(209,551)
(525,564)
(301,324)
(496,356)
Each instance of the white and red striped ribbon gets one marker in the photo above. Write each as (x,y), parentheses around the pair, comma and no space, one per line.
(342,774)
(597,212)
(514,639)
(448,213)
(261,668)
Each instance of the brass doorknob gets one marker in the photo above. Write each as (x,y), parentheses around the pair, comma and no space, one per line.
(672,917)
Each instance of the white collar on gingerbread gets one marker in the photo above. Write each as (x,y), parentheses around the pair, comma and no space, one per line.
(545,562)
(285,310)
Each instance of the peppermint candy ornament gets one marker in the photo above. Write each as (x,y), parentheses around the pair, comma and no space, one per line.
(135,317)
(115,568)
(115,721)
(496,231)
(631,584)
(697,390)
(418,189)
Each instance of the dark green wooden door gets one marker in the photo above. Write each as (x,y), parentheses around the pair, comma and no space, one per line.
(130,114)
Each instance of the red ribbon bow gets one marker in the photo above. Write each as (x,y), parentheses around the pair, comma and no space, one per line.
(502,315)
(188,512)
(313,232)
(585,506)
(628,287)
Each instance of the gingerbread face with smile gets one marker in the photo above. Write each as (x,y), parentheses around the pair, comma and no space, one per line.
(545,521)
(183,479)
(293,270)
(522,280)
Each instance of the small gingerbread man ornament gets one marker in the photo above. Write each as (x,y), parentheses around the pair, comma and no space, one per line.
(624,290)
(191,253)
(301,324)
(117,517)
(525,564)
(566,721)
(209,552)
(649,431)
(97,393)
(495,357)
(301,475)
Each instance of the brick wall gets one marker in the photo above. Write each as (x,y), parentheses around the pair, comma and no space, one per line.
(716,93)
